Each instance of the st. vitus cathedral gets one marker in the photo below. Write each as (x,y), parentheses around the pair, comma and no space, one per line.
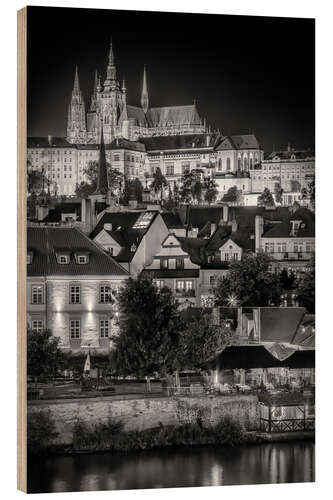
(108,106)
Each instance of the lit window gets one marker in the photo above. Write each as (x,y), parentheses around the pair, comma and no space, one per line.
(29,258)
(74,294)
(37,325)
(159,283)
(82,259)
(104,328)
(179,263)
(63,259)
(37,294)
(105,294)
(75,328)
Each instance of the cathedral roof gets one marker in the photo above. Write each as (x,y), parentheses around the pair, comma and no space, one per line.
(173,115)
(247,141)
(134,112)
(179,142)
(121,143)
(48,142)
(91,121)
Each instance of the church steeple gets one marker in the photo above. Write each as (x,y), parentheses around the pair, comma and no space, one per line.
(102,174)
(111,71)
(76,125)
(144,94)
(93,102)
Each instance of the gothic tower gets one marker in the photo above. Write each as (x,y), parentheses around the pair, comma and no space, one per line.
(110,100)
(76,124)
(144,94)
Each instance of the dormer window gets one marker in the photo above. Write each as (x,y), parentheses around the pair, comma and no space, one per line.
(133,248)
(63,259)
(81,257)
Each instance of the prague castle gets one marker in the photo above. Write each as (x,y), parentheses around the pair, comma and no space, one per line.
(108,106)
(138,140)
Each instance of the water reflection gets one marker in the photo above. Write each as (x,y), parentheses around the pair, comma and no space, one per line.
(202,466)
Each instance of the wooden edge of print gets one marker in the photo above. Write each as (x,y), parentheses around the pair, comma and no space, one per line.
(21,248)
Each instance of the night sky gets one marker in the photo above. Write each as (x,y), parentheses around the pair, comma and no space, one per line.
(247,74)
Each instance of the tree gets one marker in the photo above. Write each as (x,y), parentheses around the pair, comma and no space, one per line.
(159,182)
(266,199)
(202,339)
(249,283)
(310,192)
(36,180)
(132,188)
(85,188)
(44,358)
(149,330)
(278,191)
(232,195)
(287,280)
(211,190)
(191,186)
(306,287)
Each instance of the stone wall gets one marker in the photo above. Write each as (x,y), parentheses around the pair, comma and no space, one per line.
(146,413)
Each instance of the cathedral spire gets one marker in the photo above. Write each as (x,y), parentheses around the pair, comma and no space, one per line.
(93,102)
(111,56)
(76,89)
(144,94)
(102,178)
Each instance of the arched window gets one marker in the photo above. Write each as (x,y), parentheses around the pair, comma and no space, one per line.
(220,164)
(245,163)
(228,163)
(239,163)
(251,162)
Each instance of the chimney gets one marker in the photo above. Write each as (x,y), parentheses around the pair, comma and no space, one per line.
(234,226)
(259,229)
(108,226)
(49,138)
(225,213)
(207,140)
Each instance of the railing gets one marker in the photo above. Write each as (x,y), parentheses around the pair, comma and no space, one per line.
(287,425)
(185,293)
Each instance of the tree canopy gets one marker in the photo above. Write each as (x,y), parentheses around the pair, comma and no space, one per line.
(306,287)
(44,358)
(249,283)
(232,195)
(115,179)
(278,191)
(159,182)
(266,199)
(191,186)
(149,330)
(211,190)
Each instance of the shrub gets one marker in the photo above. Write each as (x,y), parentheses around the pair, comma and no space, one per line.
(41,431)
(229,432)
(98,436)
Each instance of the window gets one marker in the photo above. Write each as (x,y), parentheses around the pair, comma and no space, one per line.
(220,164)
(169,169)
(82,259)
(104,328)
(37,325)
(159,283)
(37,294)
(74,294)
(281,247)
(75,329)
(63,259)
(235,256)
(105,294)
(164,263)
(185,167)
(228,163)
(110,250)
(29,257)
(212,280)
(179,263)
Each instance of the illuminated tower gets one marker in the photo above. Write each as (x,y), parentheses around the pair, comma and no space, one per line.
(144,94)
(76,124)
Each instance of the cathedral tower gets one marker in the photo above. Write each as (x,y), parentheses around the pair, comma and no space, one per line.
(76,124)
(144,94)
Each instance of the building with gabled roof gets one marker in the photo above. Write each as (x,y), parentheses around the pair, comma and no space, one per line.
(71,286)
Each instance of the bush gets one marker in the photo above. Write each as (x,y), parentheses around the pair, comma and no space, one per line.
(109,436)
(41,431)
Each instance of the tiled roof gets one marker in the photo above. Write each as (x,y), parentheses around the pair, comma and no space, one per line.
(123,232)
(242,238)
(305,333)
(279,324)
(247,141)
(43,142)
(179,142)
(287,155)
(173,115)
(54,214)
(120,143)
(283,229)
(136,113)
(45,241)
(172,220)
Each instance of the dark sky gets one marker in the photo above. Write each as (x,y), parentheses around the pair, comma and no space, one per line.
(246,73)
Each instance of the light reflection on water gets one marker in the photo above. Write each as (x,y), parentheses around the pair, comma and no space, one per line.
(199,466)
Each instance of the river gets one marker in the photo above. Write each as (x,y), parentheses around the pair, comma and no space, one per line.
(287,462)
